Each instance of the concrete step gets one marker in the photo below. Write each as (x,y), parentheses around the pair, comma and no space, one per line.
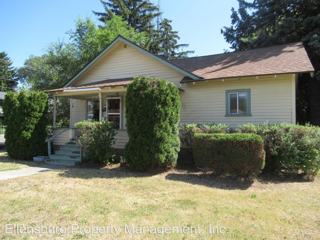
(70,147)
(68,152)
(65,158)
(67,163)
(67,155)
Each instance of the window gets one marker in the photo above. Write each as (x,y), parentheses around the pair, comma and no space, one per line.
(238,103)
(93,110)
(114,111)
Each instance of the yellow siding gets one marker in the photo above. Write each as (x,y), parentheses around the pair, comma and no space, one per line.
(121,139)
(78,110)
(126,62)
(272,100)
(61,136)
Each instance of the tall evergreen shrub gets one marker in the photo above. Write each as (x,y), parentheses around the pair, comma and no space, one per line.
(25,117)
(152,113)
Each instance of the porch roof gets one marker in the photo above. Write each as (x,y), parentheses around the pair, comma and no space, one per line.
(93,87)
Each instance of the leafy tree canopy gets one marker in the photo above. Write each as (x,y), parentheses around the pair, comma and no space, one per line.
(8,78)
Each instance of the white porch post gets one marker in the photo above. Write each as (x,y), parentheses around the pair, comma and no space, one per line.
(54,111)
(100,106)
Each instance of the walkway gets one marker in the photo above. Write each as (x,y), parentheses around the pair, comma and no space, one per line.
(4,175)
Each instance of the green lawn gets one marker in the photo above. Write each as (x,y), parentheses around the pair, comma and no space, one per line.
(118,198)
(6,164)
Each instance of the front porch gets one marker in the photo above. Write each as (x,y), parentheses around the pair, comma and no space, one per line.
(95,102)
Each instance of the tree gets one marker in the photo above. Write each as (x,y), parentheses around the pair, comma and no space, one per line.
(52,69)
(25,117)
(139,14)
(8,77)
(165,42)
(268,22)
(89,40)
(63,60)
(152,114)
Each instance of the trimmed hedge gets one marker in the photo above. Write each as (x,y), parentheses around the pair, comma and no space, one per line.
(229,154)
(97,139)
(152,113)
(25,117)
(290,149)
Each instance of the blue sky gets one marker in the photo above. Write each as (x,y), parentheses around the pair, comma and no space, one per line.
(28,27)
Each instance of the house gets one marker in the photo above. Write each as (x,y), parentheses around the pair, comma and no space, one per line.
(256,86)
(2,95)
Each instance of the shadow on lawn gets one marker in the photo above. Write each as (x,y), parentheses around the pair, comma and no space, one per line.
(114,172)
(208,180)
(191,177)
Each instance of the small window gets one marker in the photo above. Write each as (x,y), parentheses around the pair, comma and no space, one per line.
(114,111)
(238,103)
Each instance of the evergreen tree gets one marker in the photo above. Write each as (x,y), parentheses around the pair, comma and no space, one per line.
(164,42)
(139,14)
(268,22)
(8,78)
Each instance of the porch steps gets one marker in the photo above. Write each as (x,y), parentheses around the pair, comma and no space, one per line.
(67,155)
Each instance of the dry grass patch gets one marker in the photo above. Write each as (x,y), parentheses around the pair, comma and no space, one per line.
(7,164)
(116,197)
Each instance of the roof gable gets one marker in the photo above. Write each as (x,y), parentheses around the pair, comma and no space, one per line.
(125,41)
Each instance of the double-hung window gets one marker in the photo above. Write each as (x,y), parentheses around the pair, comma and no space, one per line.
(238,102)
(114,111)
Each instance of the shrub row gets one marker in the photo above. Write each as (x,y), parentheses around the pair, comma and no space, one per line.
(25,117)
(96,139)
(229,154)
(290,149)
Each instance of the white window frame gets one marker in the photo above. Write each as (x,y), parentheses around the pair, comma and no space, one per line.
(114,114)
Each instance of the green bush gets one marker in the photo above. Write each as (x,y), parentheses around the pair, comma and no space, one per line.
(229,154)
(25,117)
(152,112)
(96,139)
(188,130)
(289,148)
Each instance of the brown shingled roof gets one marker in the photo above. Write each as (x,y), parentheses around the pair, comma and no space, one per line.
(289,58)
